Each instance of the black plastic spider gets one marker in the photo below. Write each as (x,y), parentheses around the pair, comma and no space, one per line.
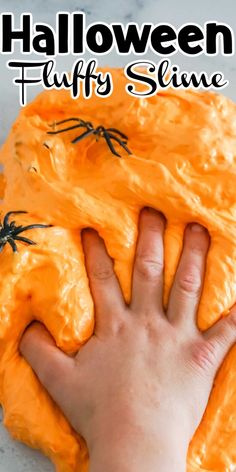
(108,134)
(9,232)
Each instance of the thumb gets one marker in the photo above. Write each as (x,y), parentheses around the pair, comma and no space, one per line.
(222,336)
(51,365)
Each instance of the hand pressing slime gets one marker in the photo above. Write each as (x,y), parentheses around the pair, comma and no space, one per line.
(135,413)
(183,164)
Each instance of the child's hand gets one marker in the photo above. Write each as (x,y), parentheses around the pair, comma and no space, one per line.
(139,387)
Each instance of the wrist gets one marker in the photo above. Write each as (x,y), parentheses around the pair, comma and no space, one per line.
(137,450)
(125,457)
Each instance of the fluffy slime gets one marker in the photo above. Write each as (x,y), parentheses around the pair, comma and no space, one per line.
(183,164)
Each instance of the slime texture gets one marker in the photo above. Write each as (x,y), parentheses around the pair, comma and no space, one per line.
(184,165)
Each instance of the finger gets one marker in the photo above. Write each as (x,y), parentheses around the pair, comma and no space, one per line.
(222,336)
(147,285)
(106,292)
(52,366)
(187,287)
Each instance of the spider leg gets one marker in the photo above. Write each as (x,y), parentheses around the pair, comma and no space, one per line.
(114,130)
(67,121)
(12,244)
(6,217)
(99,132)
(110,145)
(2,246)
(89,124)
(121,143)
(66,129)
(26,228)
(24,240)
(83,135)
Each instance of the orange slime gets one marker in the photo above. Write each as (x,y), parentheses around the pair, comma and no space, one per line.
(183,164)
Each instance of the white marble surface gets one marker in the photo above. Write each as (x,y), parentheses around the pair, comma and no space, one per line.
(16,457)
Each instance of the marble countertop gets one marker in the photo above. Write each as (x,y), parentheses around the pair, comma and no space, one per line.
(15,457)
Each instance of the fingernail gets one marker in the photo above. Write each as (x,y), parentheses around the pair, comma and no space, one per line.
(155,213)
(196,228)
(86,232)
(151,210)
